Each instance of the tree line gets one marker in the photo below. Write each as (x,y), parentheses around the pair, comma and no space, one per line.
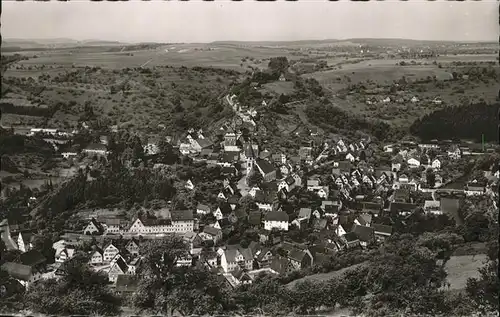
(467,122)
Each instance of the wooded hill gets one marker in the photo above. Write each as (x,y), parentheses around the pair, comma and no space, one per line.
(469,122)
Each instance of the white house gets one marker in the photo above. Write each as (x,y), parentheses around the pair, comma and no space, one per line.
(67,155)
(94,227)
(96,257)
(202,209)
(236,258)
(181,221)
(276,220)
(24,242)
(189,185)
(413,162)
(96,149)
(436,164)
(64,255)
(323,192)
(109,252)
(350,157)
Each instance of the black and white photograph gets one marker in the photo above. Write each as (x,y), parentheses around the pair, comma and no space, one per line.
(249,158)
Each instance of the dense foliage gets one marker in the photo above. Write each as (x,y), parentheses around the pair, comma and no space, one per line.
(333,119)
(467,122)
(80,291)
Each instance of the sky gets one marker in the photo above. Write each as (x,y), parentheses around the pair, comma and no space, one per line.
(197,21)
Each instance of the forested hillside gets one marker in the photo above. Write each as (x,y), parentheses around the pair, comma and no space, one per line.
(469,122)
(333,119)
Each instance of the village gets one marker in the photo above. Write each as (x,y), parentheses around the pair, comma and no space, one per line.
(349,191)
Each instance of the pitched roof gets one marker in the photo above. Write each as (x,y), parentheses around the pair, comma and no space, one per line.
(400,207)
(277,216)
(204,143)
(122,264)
(350,237)
(203,207)
(225,208)
(181,215)
(265,166)
(17,270)
(364,233)
(32,258)
(255,218)
(280,265)
(379,228)
(212,231)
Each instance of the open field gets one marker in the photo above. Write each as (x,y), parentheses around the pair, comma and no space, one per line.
(280,87)
(204,55)
(460,268)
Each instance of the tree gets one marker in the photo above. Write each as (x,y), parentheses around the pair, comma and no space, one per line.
(80,291)
(431,178)
(278,64)
(255,178)
(43,242)
(484,290)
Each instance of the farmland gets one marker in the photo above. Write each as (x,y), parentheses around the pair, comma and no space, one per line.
(157,79)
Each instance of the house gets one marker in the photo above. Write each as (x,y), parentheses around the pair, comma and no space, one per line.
(323,192)
(24,241)
(96,256)
(350,157)
(304,213)
(118,267)
(96,149)
(363,220)
(266,170)
(235,257)
(402,208)
(299,256)
(24,274)
(282,77)
(35,260)
(433,207)
(180,221)
(109,252)
(255,218)
(133,247)
(313,184)
(93,228)
(189,185)
(475,188)
(281,265)
(264,200)
(211,233)
(202,209)
(436,164)
(222,211)
(454,152)
(69,154)
(350,240)
(403,178)
(64,255)
(112,225)
(224,224)
(381,231)
(365,234)
(276,220)
(263,257)
(288,184)
(413,162)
